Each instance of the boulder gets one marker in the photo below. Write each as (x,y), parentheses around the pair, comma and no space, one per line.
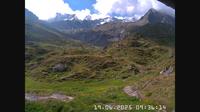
(133,68)
(59,68)
(167,71)
(129,90)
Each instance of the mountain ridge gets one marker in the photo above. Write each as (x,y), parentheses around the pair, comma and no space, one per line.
(93,32)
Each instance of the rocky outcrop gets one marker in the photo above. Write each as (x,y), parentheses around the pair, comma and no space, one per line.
(167,70)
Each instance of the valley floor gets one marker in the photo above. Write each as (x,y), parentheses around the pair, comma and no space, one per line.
(93,92)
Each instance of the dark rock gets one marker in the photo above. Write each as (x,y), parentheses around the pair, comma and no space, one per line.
(59,68)
(133,68)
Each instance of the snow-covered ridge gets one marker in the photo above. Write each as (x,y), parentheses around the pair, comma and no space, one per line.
(70,17)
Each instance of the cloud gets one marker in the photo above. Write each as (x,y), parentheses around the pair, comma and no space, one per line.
(135,8)
(163,8)
(104,6)
(81,14)
(98,16)
(46,9)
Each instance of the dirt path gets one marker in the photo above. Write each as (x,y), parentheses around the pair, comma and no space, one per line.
(56,96)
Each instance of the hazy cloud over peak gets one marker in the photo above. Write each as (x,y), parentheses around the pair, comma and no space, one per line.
(129,7)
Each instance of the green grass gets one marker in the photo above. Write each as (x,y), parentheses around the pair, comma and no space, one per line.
(90,92)
(103,75)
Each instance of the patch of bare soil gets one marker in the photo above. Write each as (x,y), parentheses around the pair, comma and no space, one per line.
(56,96)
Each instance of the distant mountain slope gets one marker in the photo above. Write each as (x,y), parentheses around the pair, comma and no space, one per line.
(41,38)
(74,24)
(157,26)
(67,22)
(40,31)
(96,38)
(63,17)
(153,17)
(154,24)
(29,16)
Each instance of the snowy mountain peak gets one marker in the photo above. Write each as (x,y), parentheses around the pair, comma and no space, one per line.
(61,17)
(88,17)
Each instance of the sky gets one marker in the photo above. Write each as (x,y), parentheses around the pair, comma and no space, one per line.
(46,9)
